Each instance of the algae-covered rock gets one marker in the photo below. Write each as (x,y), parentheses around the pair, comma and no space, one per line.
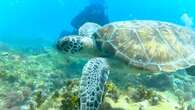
(67,98)
(43,73)
(47,81)
(143,93)
(112,91)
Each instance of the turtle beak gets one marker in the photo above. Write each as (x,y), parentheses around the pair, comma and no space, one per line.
(63,44)
(60,44)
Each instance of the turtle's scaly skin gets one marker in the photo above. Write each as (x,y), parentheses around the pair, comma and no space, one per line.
(88,29)
(94,76)
(153,45)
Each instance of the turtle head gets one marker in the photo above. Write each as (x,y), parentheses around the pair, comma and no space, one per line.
(88,29)
(75,44)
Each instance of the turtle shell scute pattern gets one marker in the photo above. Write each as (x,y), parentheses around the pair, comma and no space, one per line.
(153,45)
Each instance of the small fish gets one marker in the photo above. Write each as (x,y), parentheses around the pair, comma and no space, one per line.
(187,20)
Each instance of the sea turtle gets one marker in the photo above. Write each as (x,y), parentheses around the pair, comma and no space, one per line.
(88,29)
(149,46)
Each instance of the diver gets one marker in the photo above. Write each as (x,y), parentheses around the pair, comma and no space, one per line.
(94,12)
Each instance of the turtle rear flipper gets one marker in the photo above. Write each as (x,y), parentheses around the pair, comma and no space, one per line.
(191,70)
(94,76)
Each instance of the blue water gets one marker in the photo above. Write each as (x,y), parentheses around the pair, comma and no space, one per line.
(32,25)
(24,20)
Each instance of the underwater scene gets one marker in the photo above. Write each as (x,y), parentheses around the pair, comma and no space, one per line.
(97,55)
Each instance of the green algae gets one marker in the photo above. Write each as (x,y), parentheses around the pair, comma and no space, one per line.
(143,93)
(43,72)
(43,81)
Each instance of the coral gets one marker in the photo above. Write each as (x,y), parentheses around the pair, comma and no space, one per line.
(143,93)
(70,102)
(65,98)
(39,97)
(162,81)
(14,99)
(185,105)
(112,91)
(191,107)
(44,73)
(18,70)
(182,81)
(107,106)
(39,82)
(71,98)
(155,100)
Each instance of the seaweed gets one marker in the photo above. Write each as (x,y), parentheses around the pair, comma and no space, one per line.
(111,91)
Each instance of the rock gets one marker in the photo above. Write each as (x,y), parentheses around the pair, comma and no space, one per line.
(191,107)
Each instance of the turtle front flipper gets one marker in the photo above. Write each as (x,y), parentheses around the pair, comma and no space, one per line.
(94,76)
